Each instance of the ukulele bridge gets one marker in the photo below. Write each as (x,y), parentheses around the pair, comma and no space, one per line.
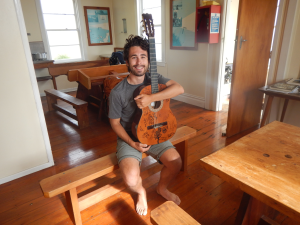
(157,125)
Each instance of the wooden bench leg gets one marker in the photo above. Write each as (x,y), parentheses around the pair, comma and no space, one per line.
(72,202)
(50,102)
(82,117)
(182,149)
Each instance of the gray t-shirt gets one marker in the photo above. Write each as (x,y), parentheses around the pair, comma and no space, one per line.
(122,104)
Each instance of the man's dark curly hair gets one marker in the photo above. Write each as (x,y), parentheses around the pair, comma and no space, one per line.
(135,40)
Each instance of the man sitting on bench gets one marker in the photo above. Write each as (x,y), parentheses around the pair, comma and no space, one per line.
(121,112)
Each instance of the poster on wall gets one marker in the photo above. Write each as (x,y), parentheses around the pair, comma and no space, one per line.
(97,20)
(215,23)
(183,14)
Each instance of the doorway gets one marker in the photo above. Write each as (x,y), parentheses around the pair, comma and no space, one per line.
(228,53)
(230,41)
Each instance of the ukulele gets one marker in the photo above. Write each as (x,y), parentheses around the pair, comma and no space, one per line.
(156,123)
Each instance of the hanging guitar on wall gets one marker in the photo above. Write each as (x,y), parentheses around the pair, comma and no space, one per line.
(156,123)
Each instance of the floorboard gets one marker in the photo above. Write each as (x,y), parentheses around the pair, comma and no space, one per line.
(207,198)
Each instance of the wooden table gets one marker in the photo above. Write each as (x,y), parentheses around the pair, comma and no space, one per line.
(271,95)
(42,64)
(264,164)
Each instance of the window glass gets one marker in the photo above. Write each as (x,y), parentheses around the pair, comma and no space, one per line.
(156,14)
(57,6)
(65,52)
(157,33)
(151,4)
(63,38)
(158,52)
(154,8)
(61,29)
(59,21)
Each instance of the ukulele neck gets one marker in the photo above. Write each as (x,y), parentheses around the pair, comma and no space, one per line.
(153,66)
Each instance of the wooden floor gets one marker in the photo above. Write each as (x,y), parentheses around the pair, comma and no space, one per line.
(204,196)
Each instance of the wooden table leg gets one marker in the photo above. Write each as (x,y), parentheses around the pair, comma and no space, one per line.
(256,211)
(54,82)
(286,102)
(242,209)
(267,110)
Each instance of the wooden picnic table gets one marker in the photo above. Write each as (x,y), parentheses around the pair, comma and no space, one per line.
(265,164)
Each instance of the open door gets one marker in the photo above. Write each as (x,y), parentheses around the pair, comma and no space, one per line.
(252,51)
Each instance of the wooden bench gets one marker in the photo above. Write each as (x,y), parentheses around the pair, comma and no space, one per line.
(67,182)
(80,106)
(90,82)
(169,213)
(59,69)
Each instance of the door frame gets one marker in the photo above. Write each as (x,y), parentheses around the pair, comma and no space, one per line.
(276,44)
(213,74)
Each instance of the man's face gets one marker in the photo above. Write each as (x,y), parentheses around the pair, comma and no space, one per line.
(137,61)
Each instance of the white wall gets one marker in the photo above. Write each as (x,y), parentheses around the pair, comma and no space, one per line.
(24,145)
(124,9)
(32,22)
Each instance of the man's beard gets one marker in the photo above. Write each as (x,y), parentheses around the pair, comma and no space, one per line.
(134,72)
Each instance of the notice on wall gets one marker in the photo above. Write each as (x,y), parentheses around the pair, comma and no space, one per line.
(214,23)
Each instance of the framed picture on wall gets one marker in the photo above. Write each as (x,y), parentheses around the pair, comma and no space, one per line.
(182,24)
(98,27)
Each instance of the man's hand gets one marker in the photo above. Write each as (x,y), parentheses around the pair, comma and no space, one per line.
(143,100)
(141,147)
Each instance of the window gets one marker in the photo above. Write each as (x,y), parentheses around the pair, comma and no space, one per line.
(154,7)
(62,32)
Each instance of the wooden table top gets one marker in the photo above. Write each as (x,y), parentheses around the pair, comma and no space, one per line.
(265,164)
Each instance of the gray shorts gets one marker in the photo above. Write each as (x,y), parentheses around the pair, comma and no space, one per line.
(126,151)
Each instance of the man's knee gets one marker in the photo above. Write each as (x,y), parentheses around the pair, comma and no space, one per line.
(130,171)
(131,178)
(171,159)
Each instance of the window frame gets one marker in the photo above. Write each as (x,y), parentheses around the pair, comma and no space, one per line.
(139,6)
(78,20)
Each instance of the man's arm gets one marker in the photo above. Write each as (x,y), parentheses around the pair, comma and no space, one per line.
(173,89)
(120,131)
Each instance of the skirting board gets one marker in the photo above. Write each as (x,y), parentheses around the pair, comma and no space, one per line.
(191,99)
(63,90)
(25,172)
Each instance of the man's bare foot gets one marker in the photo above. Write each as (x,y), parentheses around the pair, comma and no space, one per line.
(169,196)
(141,205)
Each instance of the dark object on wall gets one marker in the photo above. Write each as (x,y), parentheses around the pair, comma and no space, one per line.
(116,58)
(208,23)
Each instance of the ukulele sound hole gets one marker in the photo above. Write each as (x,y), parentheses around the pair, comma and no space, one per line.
(156,106)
